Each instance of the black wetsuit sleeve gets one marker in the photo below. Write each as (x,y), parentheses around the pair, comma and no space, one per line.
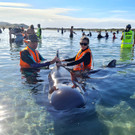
(38,65)
(86,59)
(70,59)
(40,57)
(26,57)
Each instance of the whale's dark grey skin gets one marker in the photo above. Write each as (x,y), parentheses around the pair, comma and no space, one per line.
(111,64)
(62,95)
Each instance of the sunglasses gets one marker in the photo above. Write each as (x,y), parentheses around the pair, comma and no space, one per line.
(85,44)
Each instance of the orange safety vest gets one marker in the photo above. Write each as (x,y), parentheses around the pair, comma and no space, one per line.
(25,41)
(81,66)
(23,34)
(35,56)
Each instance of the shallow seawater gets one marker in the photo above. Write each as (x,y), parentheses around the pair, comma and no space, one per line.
(110,93)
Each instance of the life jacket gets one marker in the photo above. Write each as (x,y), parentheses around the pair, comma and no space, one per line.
(23,34)
(25,41)
(39,33)
(81,66)
(128,39)
(35,56)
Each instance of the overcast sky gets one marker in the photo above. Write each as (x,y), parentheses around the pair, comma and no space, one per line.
(64,13)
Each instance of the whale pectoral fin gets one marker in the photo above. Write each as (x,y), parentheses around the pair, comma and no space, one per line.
(52,90)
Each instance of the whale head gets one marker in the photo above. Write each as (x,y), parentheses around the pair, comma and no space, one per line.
(67,98)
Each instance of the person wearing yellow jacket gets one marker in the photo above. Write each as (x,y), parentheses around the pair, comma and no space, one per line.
(83,60)
(30,57)
(128,38)
(39,32)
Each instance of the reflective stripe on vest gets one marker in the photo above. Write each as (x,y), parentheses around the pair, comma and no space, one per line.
(128,39)
(81,66)
(35,56)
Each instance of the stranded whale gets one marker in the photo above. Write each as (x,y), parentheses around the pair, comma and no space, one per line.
(62,95)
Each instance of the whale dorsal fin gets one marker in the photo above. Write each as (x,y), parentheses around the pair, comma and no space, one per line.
(57,53)
(112,64)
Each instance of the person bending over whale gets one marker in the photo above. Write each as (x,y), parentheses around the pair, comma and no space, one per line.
(83,60)
(30,57)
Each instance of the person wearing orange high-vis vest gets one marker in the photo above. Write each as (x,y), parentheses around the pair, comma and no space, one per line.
(83,60)
(30,57)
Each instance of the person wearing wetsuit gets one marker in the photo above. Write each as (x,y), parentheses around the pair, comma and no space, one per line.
(83,60)
(30,57)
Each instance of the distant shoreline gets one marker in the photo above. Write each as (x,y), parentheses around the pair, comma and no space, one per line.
(9,25)
(87,29)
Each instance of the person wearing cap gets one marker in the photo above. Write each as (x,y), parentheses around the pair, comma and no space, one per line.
(83,60)
(39,31)
(128,38)
(30,57)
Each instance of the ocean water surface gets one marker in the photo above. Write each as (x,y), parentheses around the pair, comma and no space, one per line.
(110,93)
